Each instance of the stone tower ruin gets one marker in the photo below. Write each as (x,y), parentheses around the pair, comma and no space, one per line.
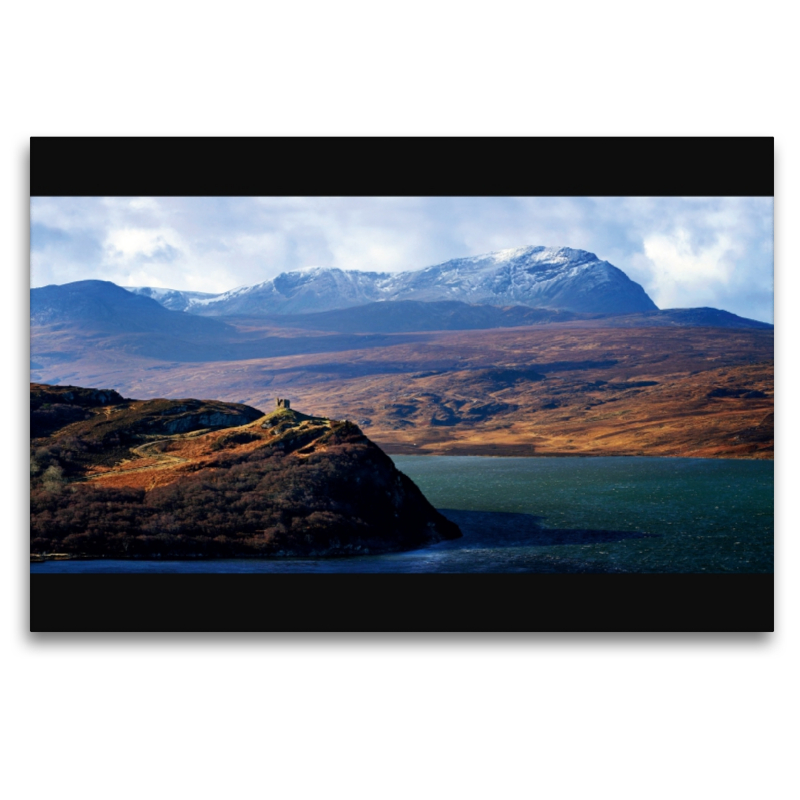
(282,402)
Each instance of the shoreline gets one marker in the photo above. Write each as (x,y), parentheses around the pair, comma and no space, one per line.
(520,451)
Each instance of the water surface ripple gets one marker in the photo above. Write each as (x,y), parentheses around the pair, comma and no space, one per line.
(625,514)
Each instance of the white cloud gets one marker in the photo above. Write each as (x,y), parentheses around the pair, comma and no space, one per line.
(684,251)
(679,269)
(144,204)
(127,244)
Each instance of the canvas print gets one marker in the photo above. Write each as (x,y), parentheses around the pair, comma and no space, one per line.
(401,384)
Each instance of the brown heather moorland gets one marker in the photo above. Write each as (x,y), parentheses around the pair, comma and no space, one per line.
(572,388)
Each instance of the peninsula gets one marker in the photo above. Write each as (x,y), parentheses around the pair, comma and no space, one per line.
(120,478)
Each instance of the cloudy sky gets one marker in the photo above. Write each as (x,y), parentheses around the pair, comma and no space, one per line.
(685,252)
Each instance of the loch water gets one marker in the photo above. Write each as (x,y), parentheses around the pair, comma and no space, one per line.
(604,514)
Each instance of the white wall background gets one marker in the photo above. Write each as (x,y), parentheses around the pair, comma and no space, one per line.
(551,717)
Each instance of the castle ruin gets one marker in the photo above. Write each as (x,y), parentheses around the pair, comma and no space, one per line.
(282,402)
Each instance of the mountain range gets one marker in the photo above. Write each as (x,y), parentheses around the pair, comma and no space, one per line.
(530,350)
(92,319)
(540,277)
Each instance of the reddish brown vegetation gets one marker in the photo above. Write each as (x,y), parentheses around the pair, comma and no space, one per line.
(606,390)
(124,484)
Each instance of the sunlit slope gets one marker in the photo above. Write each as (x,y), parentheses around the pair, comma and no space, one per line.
(192,478)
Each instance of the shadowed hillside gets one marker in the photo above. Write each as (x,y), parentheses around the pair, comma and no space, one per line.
(408,316)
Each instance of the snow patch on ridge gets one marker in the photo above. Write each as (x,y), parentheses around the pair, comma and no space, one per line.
(549,277)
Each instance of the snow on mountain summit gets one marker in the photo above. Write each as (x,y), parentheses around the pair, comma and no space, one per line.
(546,277)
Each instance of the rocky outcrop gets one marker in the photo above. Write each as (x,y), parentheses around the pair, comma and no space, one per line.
(53,407)
(43,394)
(192,478)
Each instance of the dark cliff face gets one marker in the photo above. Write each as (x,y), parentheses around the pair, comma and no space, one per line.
(196,478)
(53,407)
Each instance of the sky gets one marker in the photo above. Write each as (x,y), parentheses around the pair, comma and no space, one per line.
(685,252)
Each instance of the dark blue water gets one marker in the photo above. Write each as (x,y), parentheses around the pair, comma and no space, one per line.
(632,514)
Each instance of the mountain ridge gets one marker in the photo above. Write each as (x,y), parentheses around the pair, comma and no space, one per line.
(537,276)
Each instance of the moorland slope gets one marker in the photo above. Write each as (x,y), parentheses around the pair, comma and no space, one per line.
(114,477)
(562,388)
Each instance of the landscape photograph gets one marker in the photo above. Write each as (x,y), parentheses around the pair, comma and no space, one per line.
(401,385)
(402,402)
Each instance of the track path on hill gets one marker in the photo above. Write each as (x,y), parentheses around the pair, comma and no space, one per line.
(147,450)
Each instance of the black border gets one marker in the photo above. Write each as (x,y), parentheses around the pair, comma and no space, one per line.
(393,166)
(741,166)
(284,603)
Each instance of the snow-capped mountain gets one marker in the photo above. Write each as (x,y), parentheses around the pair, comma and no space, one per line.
(173,299)
(298,291)
(542,277)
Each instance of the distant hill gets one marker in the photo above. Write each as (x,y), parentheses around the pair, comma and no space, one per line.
(104,307)
(690,318)
(401,316)
(80,319)
(539,277)
(113,477)
(406,316)
(95,331)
